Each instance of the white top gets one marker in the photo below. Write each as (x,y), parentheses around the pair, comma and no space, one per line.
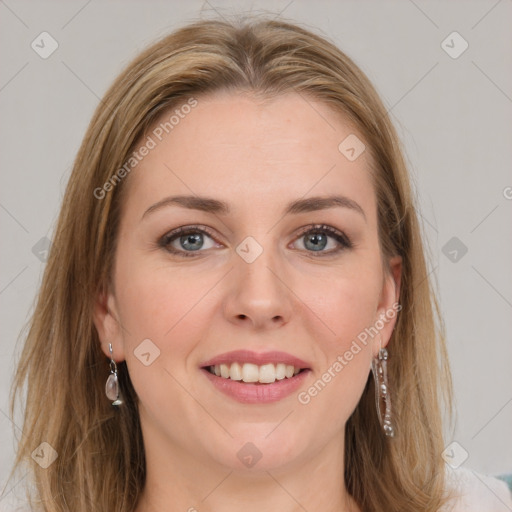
(476,492)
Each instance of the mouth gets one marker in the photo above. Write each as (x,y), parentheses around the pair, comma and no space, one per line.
(253,373)
(251,377)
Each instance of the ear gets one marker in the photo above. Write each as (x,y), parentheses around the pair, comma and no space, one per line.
(388,305)
(105,318)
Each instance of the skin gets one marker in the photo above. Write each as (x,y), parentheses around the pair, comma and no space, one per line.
(257,156)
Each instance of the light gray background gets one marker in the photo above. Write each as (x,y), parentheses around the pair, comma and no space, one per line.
(454,116)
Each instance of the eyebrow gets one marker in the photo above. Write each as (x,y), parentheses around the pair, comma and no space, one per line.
(215,206)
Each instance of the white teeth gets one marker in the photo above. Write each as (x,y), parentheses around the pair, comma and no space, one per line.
(280,371)
(235,372)
(224,371)
(267,373)
(248,372)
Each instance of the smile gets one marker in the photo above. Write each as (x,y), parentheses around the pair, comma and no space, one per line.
(256,378)
(248,372)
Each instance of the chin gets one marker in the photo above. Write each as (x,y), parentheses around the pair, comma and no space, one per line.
(260,447)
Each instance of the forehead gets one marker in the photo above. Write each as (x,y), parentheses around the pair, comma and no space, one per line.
(249,151)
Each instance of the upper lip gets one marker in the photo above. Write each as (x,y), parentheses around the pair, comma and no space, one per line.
(258,358)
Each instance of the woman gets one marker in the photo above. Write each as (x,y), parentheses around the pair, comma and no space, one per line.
(238,266)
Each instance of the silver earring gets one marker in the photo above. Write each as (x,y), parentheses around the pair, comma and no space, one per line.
(112,384)
(382,397)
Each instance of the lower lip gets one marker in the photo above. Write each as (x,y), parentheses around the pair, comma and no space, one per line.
(254,393)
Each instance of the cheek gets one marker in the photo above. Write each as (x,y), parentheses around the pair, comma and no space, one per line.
(346,355)
(172,308)
(165,308)
(155,300)
(350,314)
(348,306)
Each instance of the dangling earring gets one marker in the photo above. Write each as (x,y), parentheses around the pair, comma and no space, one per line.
(112,384)
(382,397)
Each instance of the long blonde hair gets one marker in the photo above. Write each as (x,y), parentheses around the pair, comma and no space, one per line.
(101,462)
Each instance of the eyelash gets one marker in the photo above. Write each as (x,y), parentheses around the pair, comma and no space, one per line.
(339,236)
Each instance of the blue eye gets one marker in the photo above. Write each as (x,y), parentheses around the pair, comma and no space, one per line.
(184,241)
(316,239)
(190,241)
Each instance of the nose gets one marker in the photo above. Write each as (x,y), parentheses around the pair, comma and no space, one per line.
(259,296)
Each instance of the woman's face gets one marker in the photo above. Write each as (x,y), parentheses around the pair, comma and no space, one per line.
(277,265)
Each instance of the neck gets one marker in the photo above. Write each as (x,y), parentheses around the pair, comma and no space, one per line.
(179,481)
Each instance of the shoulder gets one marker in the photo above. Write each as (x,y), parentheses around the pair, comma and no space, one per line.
(476,492)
